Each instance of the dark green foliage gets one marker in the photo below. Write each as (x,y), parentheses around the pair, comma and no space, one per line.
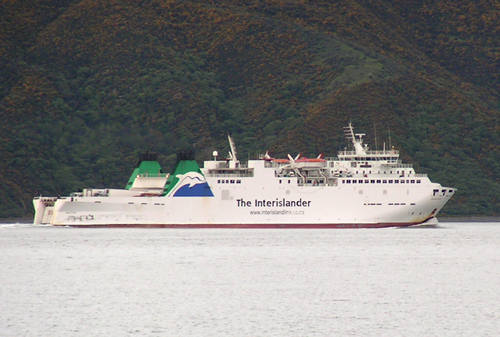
(87,85)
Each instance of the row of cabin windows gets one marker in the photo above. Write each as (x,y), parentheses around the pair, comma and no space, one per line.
(385,172)
(228,181)
(436,191)
(366,161)
(380,181)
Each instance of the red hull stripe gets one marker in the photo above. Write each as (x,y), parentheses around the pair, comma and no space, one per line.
(347,225)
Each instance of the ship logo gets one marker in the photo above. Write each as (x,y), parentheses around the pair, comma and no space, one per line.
(192,184)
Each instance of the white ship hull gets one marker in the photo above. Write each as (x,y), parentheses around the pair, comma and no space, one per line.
(358,189)
(315,206)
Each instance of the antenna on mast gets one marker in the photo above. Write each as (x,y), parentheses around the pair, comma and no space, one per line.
(375,133)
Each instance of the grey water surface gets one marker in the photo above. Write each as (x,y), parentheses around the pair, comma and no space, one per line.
(442,281)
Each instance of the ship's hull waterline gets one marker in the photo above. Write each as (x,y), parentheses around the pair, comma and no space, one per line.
(432,221)
(253,226)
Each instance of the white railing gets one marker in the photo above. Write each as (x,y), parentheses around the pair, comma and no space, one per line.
(398,165)
(229,174)
(369,153)
(224,165)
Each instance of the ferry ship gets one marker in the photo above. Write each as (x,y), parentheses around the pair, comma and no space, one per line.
(359,188)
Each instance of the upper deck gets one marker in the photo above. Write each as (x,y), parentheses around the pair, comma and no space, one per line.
(358,161)
(222,168)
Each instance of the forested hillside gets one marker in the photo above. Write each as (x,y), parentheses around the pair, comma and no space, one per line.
(85,85)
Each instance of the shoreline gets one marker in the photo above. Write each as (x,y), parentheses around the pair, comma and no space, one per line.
(471,218)
(23,220)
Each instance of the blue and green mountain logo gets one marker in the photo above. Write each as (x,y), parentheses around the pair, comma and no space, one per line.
(192,184)
(187,181)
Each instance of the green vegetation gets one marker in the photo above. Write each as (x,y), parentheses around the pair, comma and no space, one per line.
(86,85)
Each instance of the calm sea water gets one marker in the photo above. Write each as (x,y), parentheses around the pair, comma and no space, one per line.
(441,281)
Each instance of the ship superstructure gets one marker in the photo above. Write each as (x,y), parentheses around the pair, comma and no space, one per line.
(358,188)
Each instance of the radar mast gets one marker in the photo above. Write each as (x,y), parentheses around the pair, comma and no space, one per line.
(233,159)
(356,139)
